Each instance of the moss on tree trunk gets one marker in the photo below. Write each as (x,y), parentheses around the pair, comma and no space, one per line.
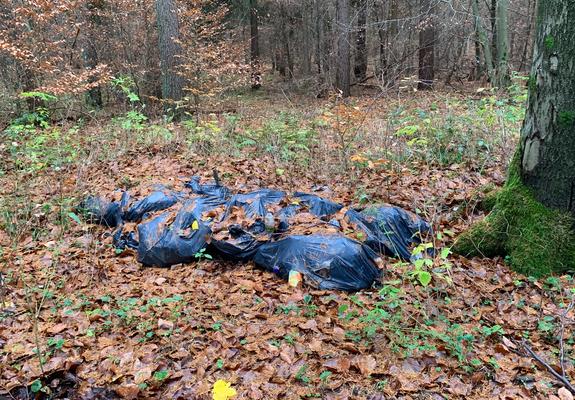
(537,240)
(532,221)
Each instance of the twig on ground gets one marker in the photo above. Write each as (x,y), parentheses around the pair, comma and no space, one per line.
(562,334)
(562,379)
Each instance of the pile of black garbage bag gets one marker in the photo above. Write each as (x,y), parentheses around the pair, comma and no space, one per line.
(331,246)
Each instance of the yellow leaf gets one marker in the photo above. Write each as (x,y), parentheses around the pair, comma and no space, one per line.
(195,225)
(222,390)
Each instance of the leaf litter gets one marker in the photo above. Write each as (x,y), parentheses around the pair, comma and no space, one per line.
(80,321)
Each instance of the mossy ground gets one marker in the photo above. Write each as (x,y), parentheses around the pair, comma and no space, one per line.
(537,240)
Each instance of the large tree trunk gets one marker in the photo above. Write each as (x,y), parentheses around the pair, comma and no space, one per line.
(548,134)
(533,218)
(360,67)
(256,75)
(170,50)
(343,49)
(426,48)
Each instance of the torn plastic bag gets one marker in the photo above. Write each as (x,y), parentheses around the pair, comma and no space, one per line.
(207,203)
(318,206)
(389,230)
(240,244)
(210,189)
(163,244)
(327,262)
(101,211)
(255,203)
(123,240)
(156,201)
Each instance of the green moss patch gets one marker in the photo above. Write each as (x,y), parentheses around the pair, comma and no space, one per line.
(538,240)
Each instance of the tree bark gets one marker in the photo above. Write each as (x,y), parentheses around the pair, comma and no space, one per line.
(382,35)
(89,51)
(318,35)
(493,20)
(533,220)
(502,42)
(548,134)
(170,49)
(527,38)
(256,75)
(482,37)
(343,48)
(360,67)
(426,46)
(286,67)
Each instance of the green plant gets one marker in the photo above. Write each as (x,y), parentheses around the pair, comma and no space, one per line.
(301,375)
(493,330)
(425,261)
(161,375)
(37,387)
(285,137)
(289,339)
(126,85)
(287,309)
(201,254)
(324,377)
(56,343)
(217,326)
(202,136)
(133,119)
(546,325)
(310,309)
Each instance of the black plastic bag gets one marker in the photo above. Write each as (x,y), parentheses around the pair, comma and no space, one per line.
(389,230)
(210,189)
(318,206)
(156,201)
(240,244)
(327,262)
(315,205)
(255,203)
(123,240)
(163,244)
(100,211)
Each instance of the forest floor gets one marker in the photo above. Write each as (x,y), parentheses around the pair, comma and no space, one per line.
(81,320)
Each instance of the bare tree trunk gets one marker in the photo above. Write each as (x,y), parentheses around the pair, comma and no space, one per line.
(89,51)
(426,46)
(493,19)
(382,35)
(486,46)
(170,50)
(503,75)
(318,35)
(360,67)
(391,75)
(529,28)
(256,75)
(286,61)
(343,48)
(307,34)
